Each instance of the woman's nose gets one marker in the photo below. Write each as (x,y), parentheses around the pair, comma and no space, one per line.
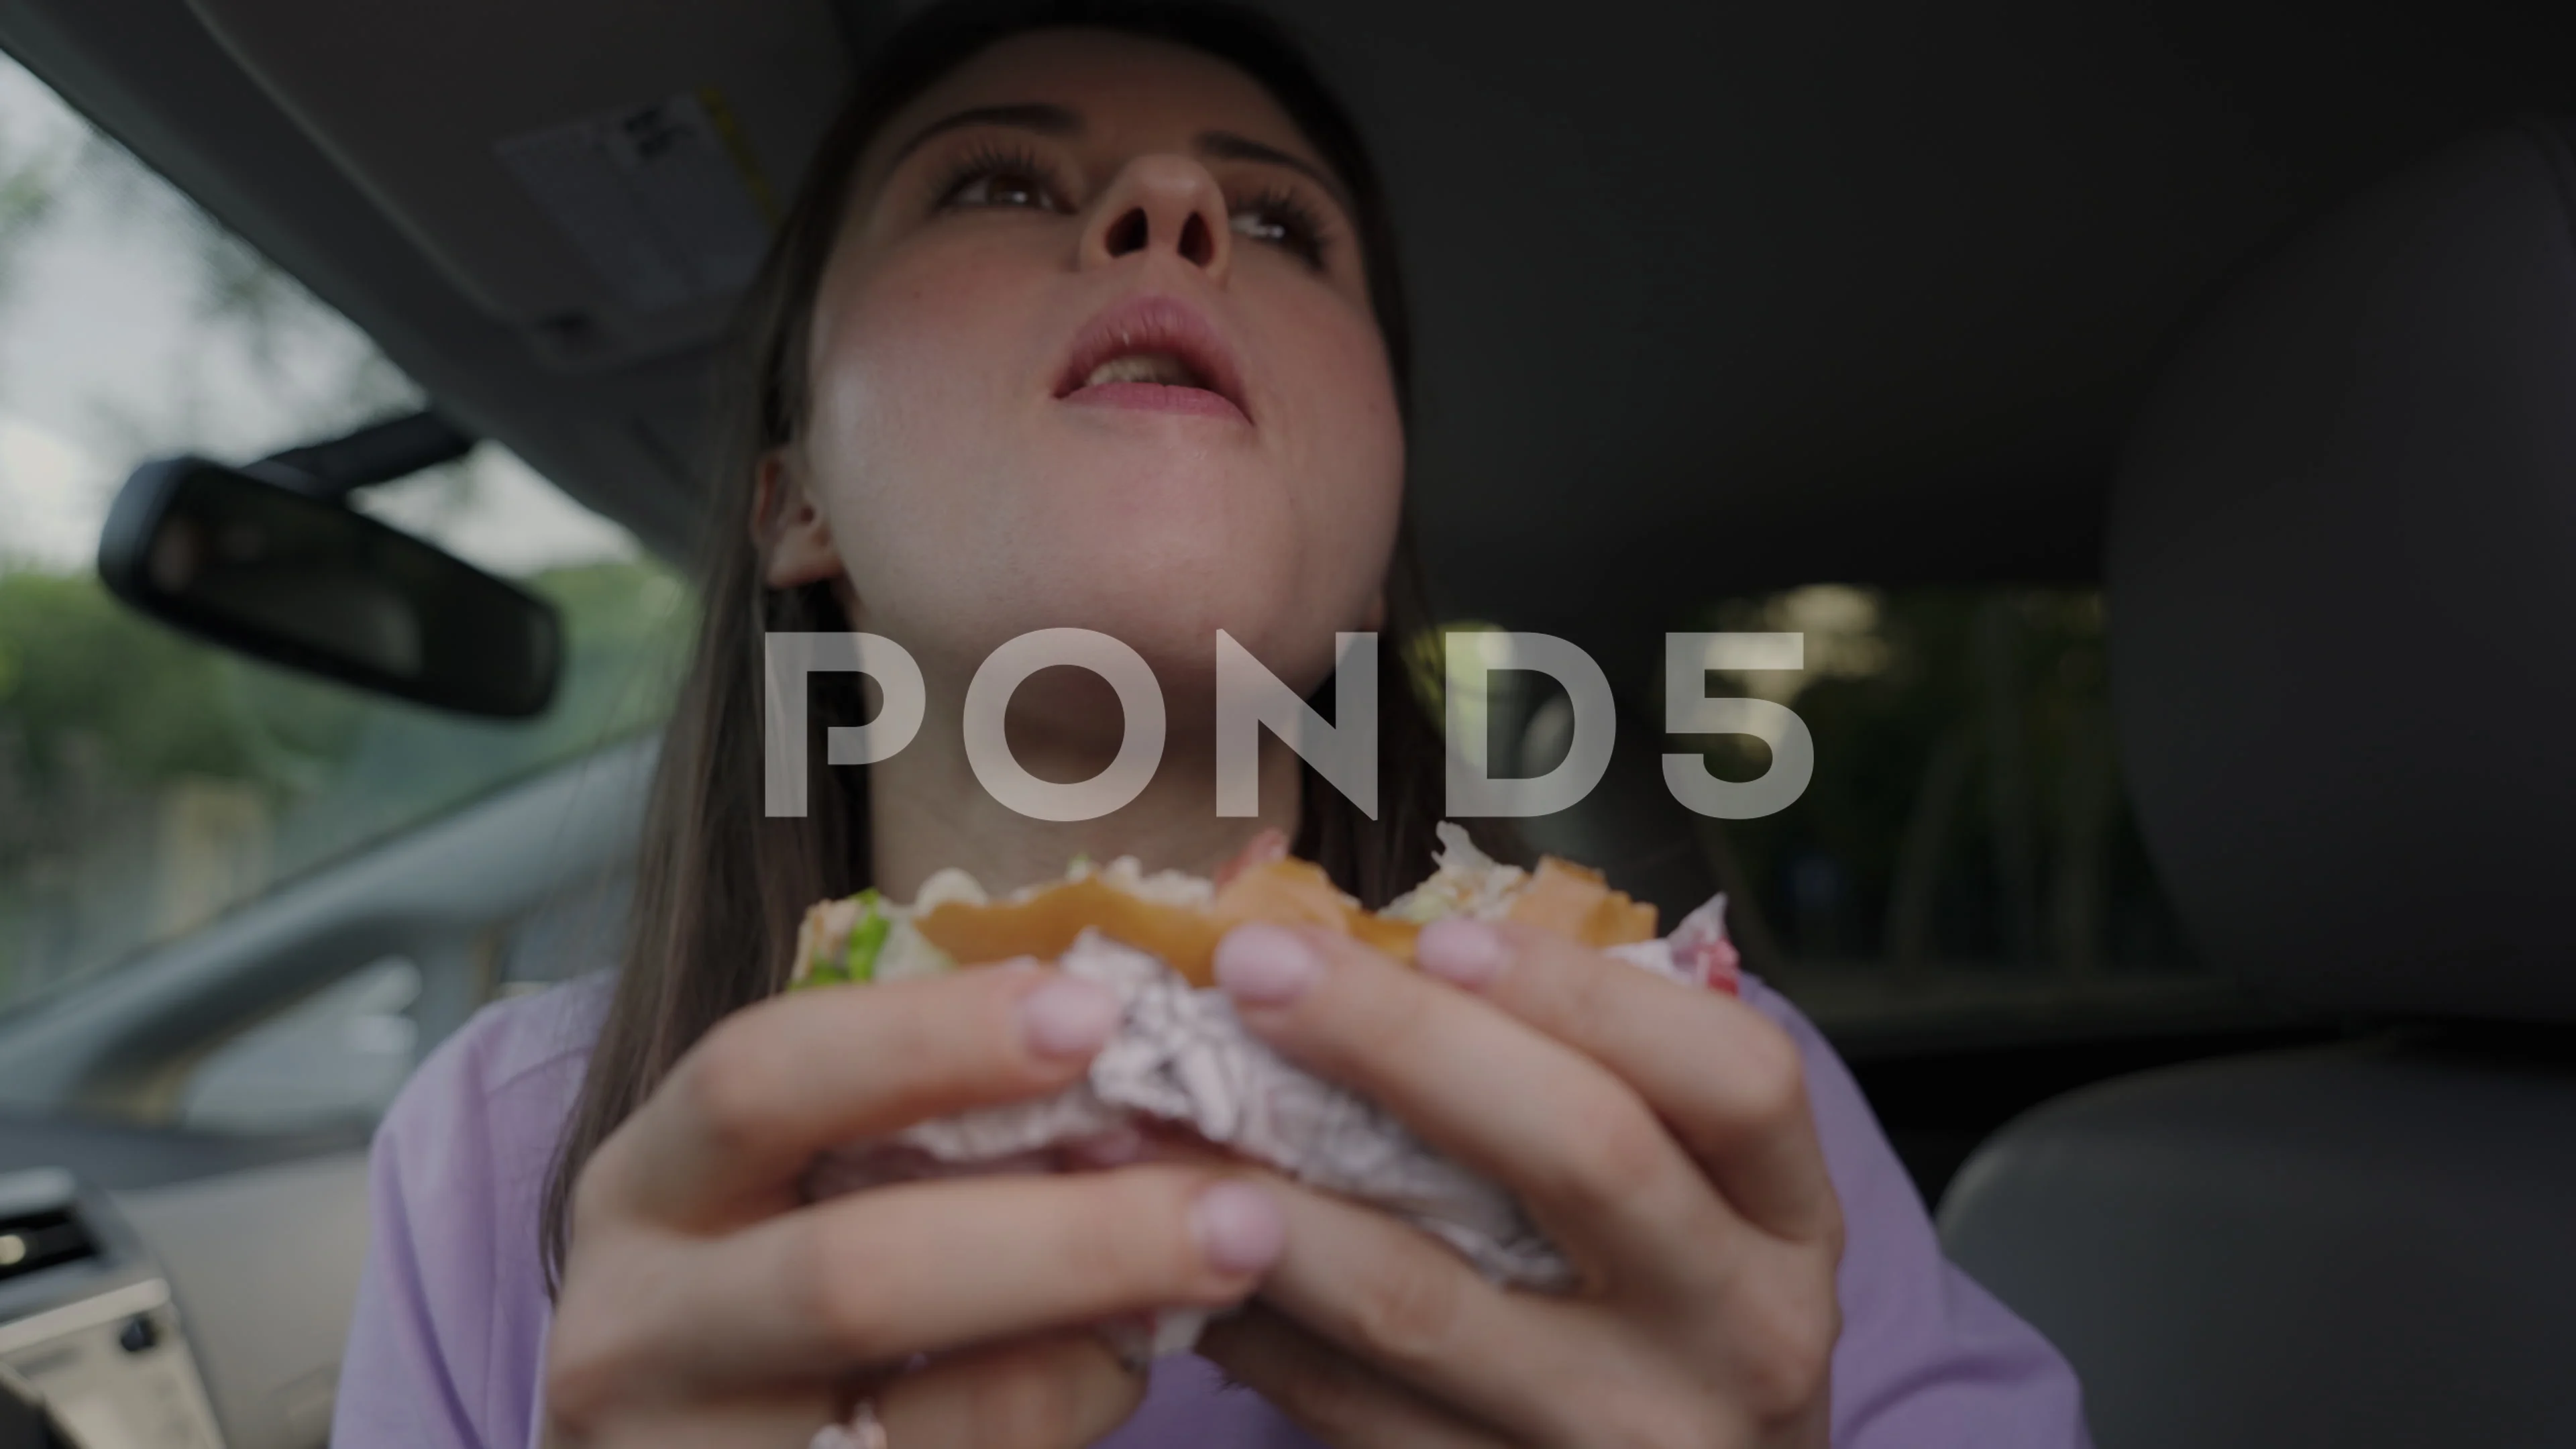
(1161,203)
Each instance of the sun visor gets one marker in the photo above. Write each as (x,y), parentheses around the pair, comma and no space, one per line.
(601,176)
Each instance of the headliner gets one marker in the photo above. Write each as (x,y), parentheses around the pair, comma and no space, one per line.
(1710,298)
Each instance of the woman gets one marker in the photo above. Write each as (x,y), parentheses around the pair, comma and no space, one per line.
(1089,316)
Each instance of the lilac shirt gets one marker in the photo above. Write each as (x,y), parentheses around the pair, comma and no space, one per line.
(448,1341)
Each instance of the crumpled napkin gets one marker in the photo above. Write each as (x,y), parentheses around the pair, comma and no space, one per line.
(1181,1059)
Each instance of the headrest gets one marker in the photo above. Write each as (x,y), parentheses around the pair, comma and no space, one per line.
(2342,601)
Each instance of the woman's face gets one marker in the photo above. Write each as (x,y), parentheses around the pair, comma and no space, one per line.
(1095,349)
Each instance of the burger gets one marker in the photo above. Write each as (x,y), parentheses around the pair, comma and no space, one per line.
(1181,1076)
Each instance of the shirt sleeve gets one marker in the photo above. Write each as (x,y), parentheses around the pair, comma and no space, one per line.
(1927,1358)
(449,1327)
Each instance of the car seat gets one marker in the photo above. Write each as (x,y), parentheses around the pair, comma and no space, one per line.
(2341,585)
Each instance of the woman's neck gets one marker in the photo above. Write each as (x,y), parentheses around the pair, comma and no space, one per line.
(927,811)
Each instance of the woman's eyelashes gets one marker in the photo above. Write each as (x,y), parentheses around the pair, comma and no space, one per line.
(1001,177)
(1281,218)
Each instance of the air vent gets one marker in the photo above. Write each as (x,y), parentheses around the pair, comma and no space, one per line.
(31,1242)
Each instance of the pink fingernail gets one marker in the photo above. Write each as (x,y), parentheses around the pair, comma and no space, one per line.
(1265,965)
(1067,1017)
(1462,952)
(1238,1227)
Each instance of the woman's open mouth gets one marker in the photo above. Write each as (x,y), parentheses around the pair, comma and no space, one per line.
(1156,354)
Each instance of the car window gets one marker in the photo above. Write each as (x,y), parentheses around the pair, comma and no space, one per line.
(1965,857)
(147,783)
(338,1055)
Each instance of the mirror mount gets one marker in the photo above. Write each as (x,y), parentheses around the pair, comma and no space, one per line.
(378,453)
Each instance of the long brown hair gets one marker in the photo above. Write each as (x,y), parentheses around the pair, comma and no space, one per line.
(720,886)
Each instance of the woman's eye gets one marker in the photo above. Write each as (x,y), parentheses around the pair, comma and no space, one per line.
(1261,226)
(1281,223)
(1004,188)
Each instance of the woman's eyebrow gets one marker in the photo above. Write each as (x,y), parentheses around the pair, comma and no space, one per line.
(1227,146)
(1046,120)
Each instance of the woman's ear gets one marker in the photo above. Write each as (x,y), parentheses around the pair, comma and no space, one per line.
(793,536)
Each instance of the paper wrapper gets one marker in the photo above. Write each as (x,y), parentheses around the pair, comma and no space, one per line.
(1180,1060)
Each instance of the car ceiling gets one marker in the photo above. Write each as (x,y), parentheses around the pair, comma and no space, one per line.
(1711,298)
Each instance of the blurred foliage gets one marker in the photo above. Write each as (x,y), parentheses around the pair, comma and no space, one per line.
(1966,806)
(28,186)
(105,714)
(82,677)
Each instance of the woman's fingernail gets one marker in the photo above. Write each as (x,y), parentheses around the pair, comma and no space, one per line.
(1265,965)
(1067,1017)
(1238,1227)
(1463,952)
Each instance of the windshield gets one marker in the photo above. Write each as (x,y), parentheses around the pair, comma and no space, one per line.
(148,783)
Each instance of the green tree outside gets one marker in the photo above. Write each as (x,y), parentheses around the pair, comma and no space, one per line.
(109,722)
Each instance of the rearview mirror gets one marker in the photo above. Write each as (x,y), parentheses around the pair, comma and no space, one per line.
(308,583)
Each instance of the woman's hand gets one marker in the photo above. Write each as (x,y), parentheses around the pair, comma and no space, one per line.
(705,1303)
(1659,1133)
